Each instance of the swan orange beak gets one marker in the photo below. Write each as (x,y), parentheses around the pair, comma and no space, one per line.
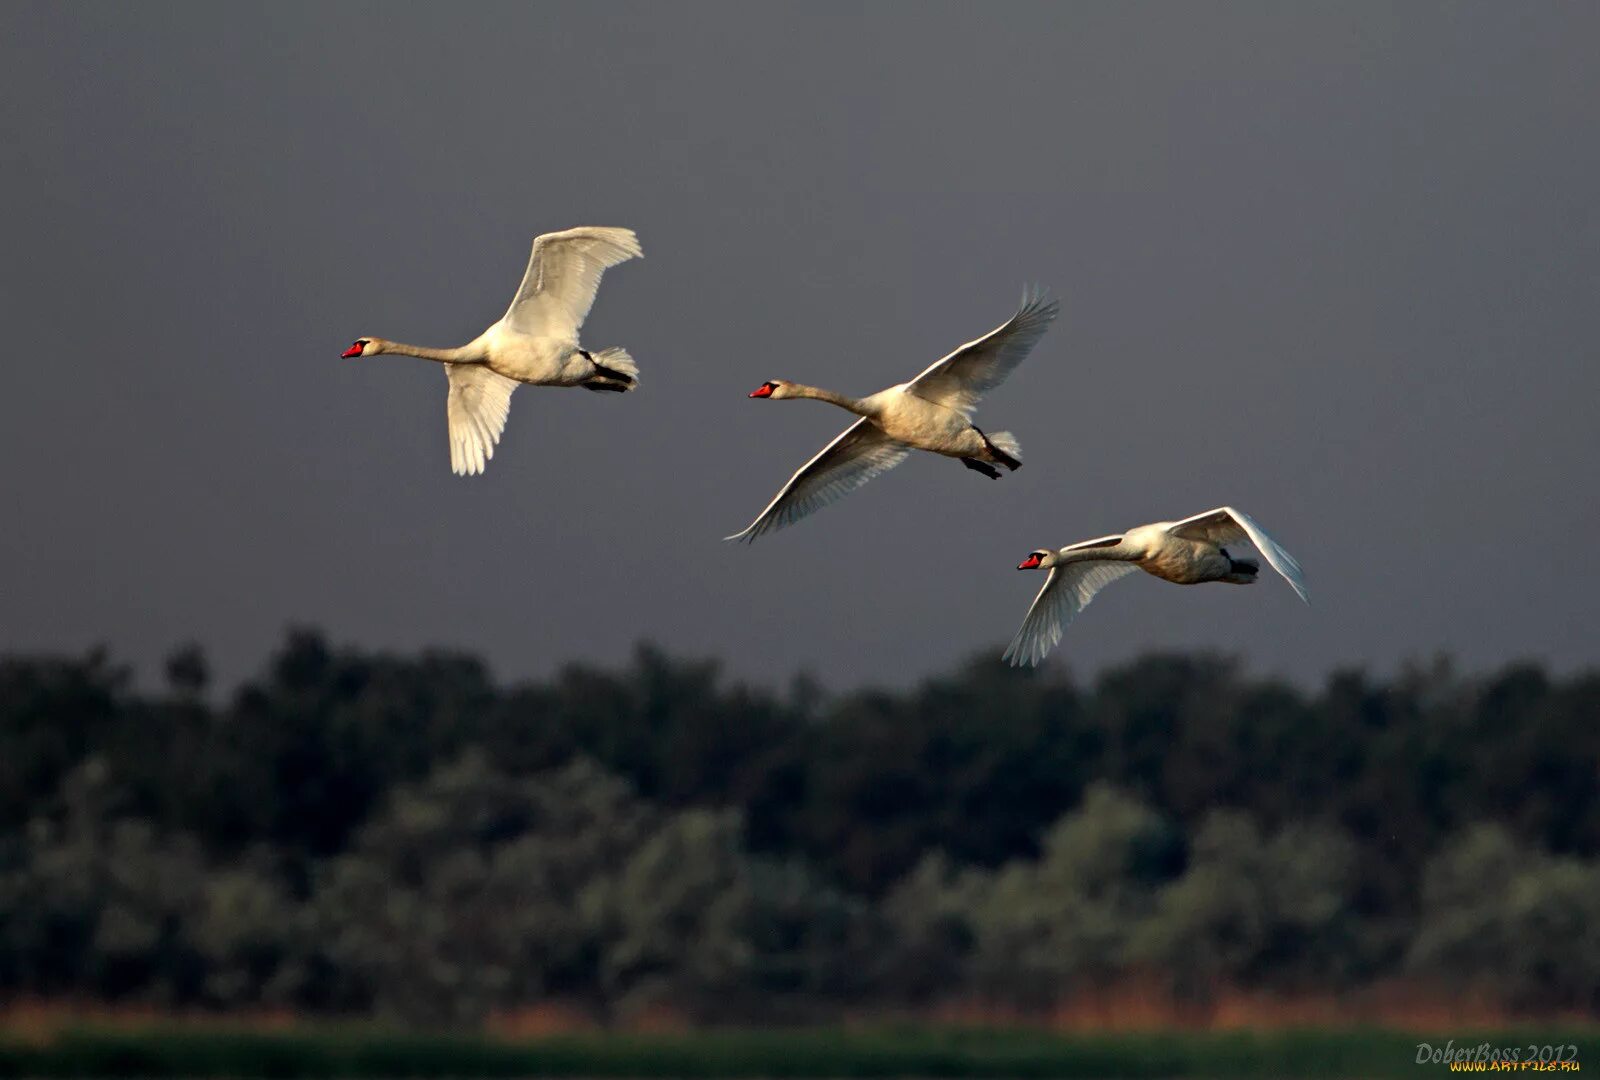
(354,350)
(1030,563)
(761,391)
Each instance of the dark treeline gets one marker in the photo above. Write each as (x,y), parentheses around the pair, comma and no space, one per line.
(366,833)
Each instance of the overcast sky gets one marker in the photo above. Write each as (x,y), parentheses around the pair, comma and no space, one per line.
(1334,264)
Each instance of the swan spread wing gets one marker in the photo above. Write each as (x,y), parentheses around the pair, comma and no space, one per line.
(477,407)
(563,275)
(960,379)
(1097,542)
(1066,592)
(1225,525)
(861,452)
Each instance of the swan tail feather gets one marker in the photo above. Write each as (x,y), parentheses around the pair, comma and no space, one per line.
(617,367)
(1007,447)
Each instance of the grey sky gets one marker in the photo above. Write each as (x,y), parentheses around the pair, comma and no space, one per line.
(1334,264)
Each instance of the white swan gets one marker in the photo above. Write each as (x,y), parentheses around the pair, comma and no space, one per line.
(931,412)
(536,341)
(1186,552)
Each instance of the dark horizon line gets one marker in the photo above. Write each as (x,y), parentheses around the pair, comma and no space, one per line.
(1439,663)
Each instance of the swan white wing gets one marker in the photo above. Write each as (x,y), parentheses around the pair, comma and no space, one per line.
(477,407)
(1066,592)
(960,379)
(563,275)
(861,452)
(1097,542)
(1225,525)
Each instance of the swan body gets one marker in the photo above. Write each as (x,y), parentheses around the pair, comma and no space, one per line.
(1187,552)
(931,412)
(535,342)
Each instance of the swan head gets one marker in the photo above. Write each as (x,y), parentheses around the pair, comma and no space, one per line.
(361,347)
(1044,558)
(772,388)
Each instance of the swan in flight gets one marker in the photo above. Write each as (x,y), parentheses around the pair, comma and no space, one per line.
(1185,552)
(536,341)
(931,412)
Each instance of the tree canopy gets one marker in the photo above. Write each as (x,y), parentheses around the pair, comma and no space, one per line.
(357,832)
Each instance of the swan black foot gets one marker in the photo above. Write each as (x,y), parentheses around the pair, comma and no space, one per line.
(978,466)
(603,372)
(604,378)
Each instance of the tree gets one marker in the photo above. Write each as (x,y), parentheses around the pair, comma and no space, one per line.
(474,890)
(1524,925)
(1255,910)
(1046,928)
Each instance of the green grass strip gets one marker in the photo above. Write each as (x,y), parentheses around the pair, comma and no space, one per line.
(890,1052)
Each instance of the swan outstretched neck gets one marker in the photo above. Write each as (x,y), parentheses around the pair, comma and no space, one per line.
(781,389)
(377,346)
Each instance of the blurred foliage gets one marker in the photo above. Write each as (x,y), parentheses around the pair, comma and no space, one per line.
(1523,923)
(1040,925)
(361,833)
(1258,910)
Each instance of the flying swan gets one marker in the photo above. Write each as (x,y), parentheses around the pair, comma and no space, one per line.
(1185,552)
(536,341)
(931,412)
